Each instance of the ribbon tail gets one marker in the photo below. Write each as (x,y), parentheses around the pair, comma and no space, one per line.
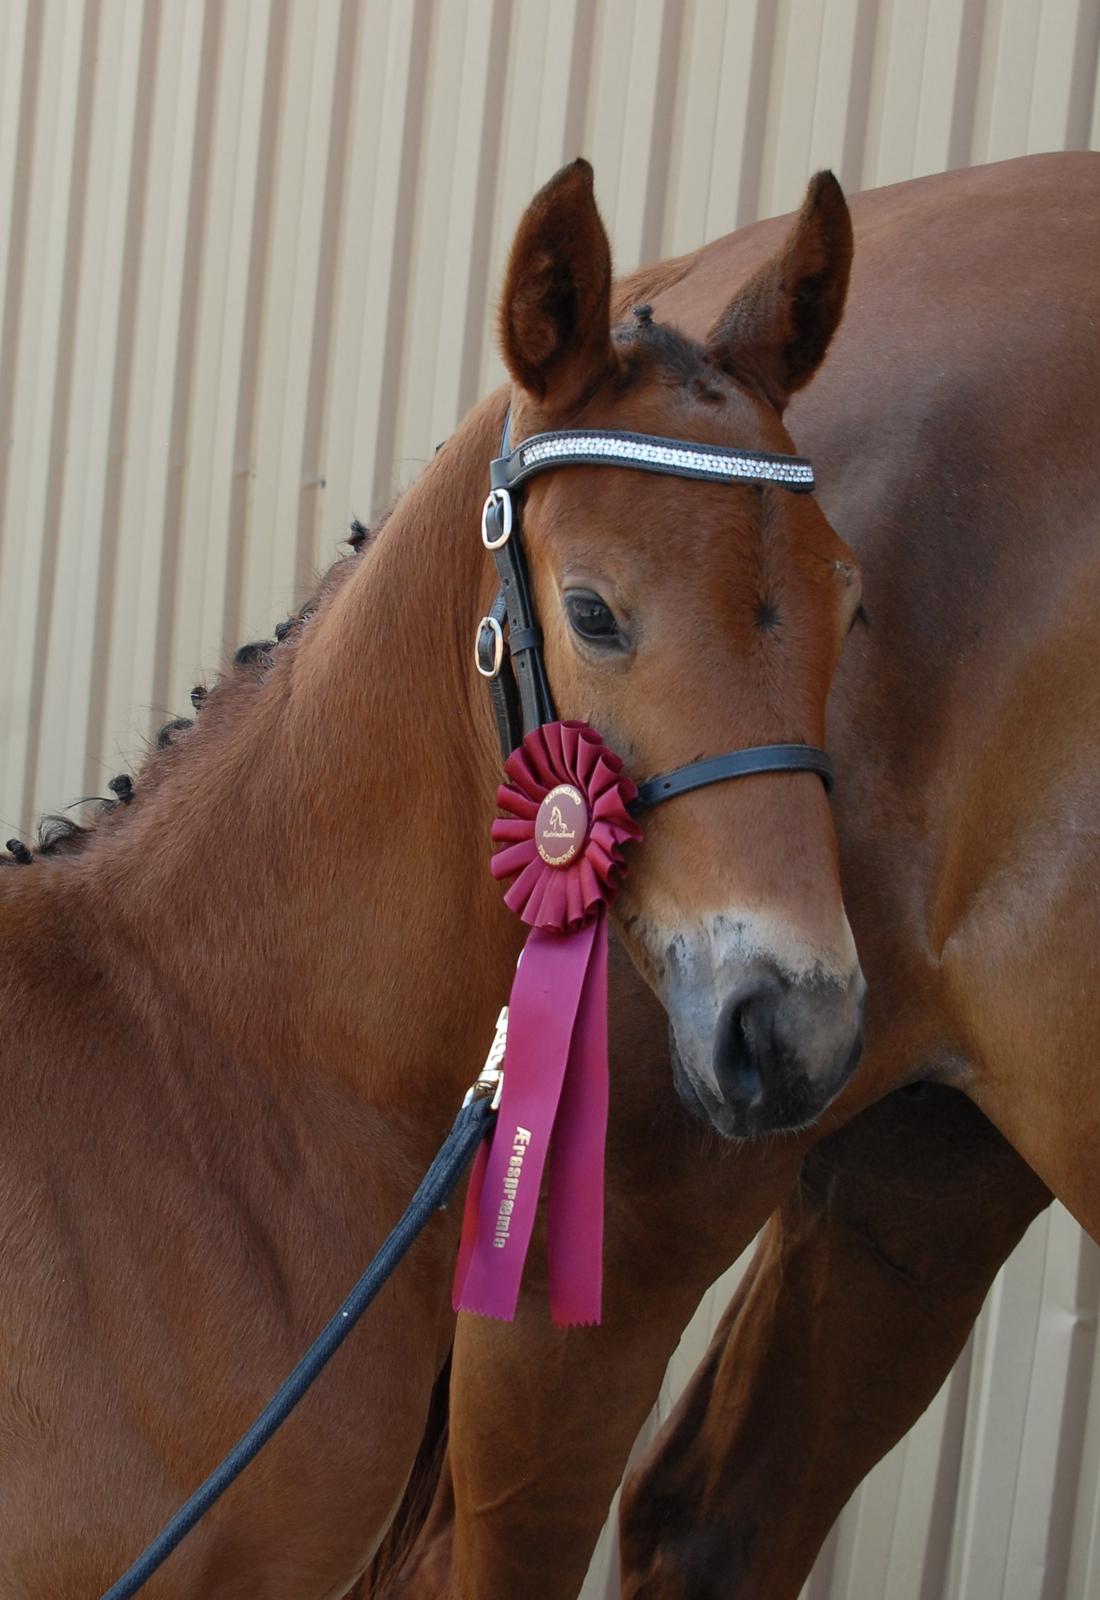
(500,1217)
(474,1189)
(576,1188)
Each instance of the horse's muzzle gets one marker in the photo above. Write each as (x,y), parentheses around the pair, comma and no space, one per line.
(781,1050)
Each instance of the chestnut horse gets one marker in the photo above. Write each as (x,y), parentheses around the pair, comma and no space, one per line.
(221,1077)
(953,430)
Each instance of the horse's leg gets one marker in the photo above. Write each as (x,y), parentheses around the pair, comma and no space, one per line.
(861,1296)
(542,1420)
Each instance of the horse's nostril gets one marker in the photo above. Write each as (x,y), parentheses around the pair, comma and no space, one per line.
(741,1083)
(743,1043)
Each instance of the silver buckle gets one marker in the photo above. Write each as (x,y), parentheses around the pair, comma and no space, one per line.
(496,497)
(497,632)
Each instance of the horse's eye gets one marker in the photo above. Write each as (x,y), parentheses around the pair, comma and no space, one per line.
(591,618)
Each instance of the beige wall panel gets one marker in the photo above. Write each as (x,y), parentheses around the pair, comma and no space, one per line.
(56,122)
(248,257)
(1084,1556)
(217,471)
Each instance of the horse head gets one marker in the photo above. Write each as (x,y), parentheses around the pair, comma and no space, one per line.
(687,618)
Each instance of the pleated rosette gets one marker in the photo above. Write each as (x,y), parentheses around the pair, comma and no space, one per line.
(562,898)
(562,835)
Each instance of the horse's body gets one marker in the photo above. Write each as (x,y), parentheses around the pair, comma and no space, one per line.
(953,431)
(201,1142)
(237,1018)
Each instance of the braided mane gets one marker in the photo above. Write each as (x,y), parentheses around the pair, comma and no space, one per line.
(60,835)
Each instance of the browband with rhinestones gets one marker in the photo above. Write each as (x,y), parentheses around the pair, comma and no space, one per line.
(597,447)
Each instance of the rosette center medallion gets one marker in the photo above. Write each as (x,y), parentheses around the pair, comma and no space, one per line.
(561,826)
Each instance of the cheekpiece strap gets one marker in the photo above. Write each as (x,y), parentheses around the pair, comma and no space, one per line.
(675,457)
(520,686)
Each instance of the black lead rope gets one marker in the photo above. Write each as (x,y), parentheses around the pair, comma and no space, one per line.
(471,1125)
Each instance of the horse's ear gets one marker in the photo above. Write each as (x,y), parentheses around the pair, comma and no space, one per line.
(555,313)
(775,331)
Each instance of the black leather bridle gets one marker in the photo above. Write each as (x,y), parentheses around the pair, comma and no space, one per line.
(513,664)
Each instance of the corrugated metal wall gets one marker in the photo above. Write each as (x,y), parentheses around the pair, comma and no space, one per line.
(247,256)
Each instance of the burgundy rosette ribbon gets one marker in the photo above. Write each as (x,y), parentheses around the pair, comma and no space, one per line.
(566,821)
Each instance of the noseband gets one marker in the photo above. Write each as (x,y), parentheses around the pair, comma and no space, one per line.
(514,666)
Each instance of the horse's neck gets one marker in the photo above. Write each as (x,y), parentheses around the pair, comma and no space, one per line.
(308,879)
